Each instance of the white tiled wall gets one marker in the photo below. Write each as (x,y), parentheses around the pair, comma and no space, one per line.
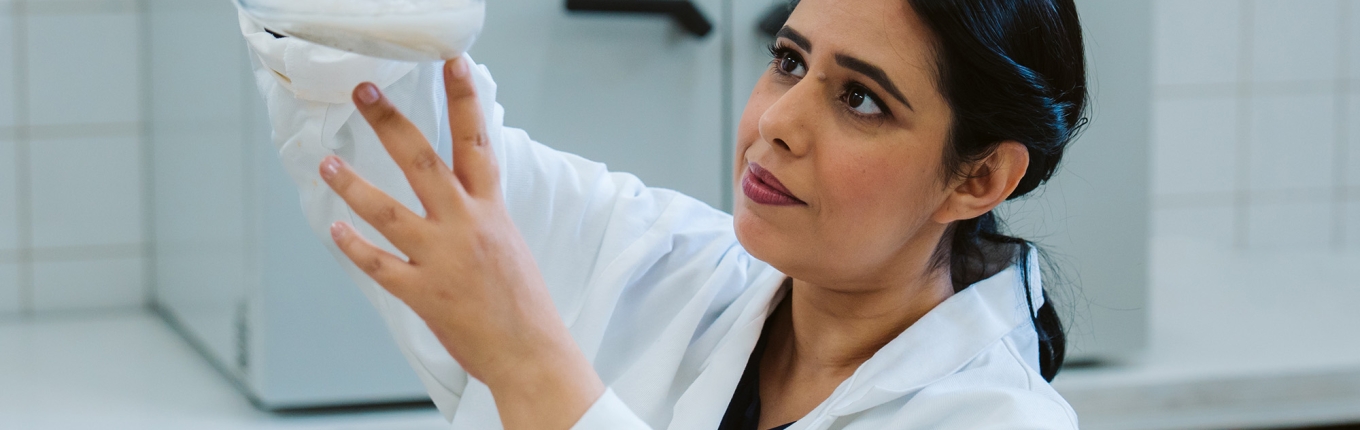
(71,155)
(83,67)
(1256,135)
(87,192)
(87,284)
(9,198)
(7,88)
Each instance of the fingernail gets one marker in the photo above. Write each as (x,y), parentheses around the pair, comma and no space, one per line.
(337,231)
(329,167)
(368,93)
(459,69)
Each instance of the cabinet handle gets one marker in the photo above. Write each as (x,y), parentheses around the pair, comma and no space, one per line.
(684,12)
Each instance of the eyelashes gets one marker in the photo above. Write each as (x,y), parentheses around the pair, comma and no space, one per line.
(856,99)
(786,61)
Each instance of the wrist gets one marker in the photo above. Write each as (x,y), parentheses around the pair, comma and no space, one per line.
(550,388)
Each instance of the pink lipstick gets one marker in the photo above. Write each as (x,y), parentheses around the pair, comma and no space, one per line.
(762,187)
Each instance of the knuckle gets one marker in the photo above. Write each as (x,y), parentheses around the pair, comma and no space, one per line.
(475,139)
(386,115)
(372,265)
(425,160)
(385,216)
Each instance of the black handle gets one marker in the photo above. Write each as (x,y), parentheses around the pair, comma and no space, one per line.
(684,12)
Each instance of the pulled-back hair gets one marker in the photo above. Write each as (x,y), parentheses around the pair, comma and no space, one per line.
(1010,70)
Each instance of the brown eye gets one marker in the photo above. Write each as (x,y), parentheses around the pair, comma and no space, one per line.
(792,66)
(862,102)
(856,98)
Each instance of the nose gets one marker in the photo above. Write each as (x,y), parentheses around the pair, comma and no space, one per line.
(787,123)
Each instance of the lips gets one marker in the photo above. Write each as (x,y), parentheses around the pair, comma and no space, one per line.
(762,187)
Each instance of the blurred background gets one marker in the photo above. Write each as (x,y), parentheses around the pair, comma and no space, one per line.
(155,270)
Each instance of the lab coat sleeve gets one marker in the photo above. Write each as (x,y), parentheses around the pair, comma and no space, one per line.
(582,223)
(307,90)
(609,413)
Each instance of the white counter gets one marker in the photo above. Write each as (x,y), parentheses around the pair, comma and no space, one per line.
(1236,341)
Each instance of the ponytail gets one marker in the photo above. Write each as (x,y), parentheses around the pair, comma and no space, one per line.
(975,247)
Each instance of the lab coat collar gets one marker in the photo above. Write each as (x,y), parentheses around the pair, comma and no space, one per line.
(943,341)
(939,344)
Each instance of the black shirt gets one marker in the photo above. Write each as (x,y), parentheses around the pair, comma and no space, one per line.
(743,412)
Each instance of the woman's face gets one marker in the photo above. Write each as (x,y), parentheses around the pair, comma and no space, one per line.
(849,120)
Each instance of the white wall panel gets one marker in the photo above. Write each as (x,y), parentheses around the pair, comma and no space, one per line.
(86,192)
(1194,140)
(1352,119)
(10,299)
(198,54)
(1291,225)
(1351,36)
(9,199)
(1352,223)
(1292,143)
(1212,225)
(88,284)
(1294,40)
(1196,41)
(8,104)
(84,68)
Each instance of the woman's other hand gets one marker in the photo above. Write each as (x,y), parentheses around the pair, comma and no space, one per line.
(468,272)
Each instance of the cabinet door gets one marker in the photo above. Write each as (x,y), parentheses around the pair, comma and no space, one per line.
(636,92)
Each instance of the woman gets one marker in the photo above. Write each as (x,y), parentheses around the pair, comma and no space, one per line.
(860,284)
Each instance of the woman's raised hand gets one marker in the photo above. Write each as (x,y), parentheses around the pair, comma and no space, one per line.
(468,272)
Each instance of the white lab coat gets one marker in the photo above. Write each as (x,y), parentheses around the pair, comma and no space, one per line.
(652,284)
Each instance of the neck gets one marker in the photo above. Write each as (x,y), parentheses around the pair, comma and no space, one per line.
(828,330)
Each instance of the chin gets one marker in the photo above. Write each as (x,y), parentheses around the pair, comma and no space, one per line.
(762,240)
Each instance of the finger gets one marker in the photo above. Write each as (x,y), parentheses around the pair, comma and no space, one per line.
(397,223)
(428,175)
(474,161)
(386,269)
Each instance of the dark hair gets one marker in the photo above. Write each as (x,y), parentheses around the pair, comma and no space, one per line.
(1011,70)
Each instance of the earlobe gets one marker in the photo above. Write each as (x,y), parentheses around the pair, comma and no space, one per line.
(989,183)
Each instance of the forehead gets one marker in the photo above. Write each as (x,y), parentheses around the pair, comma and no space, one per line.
(886,33)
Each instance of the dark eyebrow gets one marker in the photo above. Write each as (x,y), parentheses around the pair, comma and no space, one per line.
(796,37)
(873,72)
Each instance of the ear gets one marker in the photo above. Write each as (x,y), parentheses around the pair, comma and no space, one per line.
(988,183)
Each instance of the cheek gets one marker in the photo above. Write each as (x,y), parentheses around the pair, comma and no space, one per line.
(748,130)
(877,193)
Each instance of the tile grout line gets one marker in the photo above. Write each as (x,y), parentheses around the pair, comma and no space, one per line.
(1341,154)
(1242,176)
(148,174)
(23,160)
(728,127)
(250,191)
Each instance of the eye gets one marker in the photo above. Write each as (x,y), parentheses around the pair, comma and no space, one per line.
(792,66)
(862,102)
(787,61)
